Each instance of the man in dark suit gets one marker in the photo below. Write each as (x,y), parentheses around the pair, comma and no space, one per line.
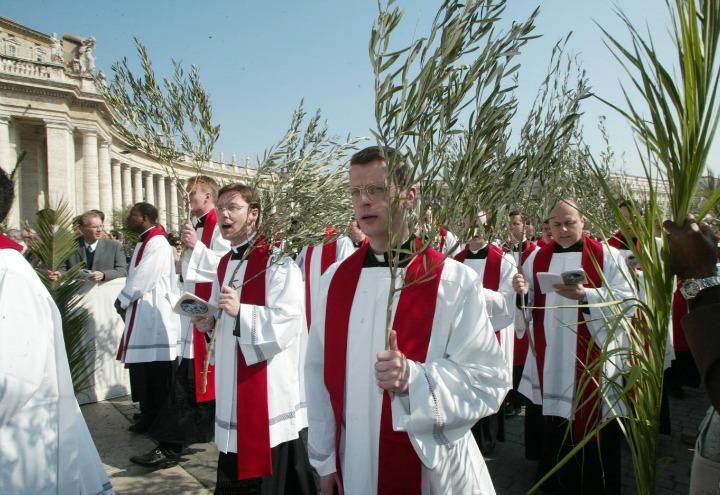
(104,258)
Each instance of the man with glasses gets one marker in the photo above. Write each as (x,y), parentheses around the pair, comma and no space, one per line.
(394,415)
(259,415)
(104,258)
(189,413)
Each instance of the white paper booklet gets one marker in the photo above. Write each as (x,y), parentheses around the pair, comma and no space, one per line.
(191,305)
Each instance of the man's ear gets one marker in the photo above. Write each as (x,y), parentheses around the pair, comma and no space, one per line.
(410,197)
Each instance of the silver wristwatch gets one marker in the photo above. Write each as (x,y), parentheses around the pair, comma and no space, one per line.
(692,286)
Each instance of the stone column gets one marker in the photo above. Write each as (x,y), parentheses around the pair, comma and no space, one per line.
(116,185)
(137,185)
(149,188)
(91,183)
(173,220)
(162,208)
(8,164)
(106,192)
(60,163)
(127,187)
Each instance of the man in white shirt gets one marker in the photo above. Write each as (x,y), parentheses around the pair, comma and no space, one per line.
(569,337)
(398,420)
(45,445)
(259,416)
(149,342)
(188,416)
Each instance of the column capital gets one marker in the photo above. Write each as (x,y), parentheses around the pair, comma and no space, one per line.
(5,119)
(87,131)
(58,124)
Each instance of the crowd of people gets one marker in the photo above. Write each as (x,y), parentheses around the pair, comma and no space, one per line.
(304,379)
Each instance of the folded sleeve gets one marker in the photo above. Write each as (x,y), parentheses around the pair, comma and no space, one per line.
(448,394)
(267,330)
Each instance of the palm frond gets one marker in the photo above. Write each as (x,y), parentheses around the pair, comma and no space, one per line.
(53,245)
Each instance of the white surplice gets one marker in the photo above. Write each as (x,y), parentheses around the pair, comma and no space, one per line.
(199,265)
(500,304)
(45,445)
(627,254)
(463,379)
(274,333)
(153,284)
(560,320)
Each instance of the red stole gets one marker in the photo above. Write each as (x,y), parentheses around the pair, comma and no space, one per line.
(253,417)
(520,349)
(7,243)
(203,291)
(327,258)
(399,468)
(528,248)
(493,264)
(587,352)
(443,237)
(125,340)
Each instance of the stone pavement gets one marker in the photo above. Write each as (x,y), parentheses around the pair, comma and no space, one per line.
(511,473)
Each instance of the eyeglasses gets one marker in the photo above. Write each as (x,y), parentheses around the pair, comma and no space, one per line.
(372,191)
(232,209)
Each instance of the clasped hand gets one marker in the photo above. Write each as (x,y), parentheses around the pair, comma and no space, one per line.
(391,368)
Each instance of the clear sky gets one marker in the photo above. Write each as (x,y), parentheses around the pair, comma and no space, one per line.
(258,58)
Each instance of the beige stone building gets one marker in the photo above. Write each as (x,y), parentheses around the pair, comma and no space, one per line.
(51,110)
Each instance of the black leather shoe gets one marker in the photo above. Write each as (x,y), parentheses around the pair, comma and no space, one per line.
(139,427)
(156,458)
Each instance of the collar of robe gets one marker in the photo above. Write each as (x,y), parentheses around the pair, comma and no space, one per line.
(480,254)
(200,222)
(239,251)
(575,248)
(372,261)
(145,234)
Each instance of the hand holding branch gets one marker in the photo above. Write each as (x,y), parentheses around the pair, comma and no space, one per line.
(391,368)
(519,284)
(229,301)
(188,236)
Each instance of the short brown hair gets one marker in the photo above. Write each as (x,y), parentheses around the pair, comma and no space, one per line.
(401,173)
(248,193)
(207,181)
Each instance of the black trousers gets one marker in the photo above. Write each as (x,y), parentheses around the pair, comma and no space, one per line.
(150,385)
(594,470)
(182,420)
(292,473)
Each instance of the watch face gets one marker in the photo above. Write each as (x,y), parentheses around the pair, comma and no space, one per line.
(690,288)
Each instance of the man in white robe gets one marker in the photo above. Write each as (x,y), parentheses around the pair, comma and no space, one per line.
(188,416)
(261,338)
(495,271)
(149,342)
(381,422)
(45,445)
(567,340)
